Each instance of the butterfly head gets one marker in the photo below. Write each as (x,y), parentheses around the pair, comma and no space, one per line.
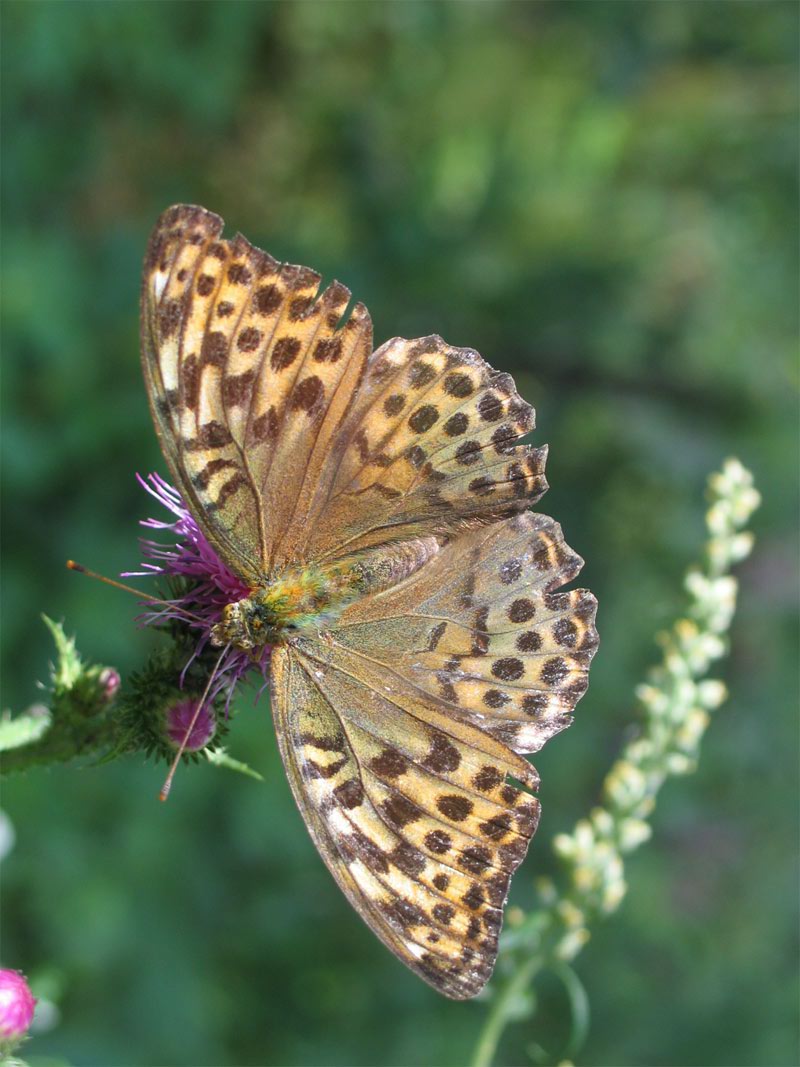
(249,624)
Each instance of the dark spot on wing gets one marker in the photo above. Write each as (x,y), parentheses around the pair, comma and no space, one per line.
(249,339)
(285,353)
(267,299)
(509,668)
(454,807)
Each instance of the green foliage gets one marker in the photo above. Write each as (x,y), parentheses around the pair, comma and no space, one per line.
(598,197)
(88,720)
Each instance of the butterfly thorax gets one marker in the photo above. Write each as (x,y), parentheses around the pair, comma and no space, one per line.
(313,596)
(299,599)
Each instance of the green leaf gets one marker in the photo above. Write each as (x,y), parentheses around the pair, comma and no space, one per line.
(220,758)
(67,669)
(24,729)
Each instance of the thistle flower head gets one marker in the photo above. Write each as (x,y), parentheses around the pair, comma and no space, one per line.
(16,1007)
(200,582)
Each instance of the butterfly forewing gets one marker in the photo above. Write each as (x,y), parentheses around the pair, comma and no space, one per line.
(401,722)
(250,372)
(432,444)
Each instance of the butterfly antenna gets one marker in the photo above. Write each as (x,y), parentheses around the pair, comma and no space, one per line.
(168,782)
(79,567)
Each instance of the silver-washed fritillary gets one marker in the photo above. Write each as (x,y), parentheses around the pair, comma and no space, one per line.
(376,504)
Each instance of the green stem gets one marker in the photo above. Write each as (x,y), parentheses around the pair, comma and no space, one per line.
(501,1010)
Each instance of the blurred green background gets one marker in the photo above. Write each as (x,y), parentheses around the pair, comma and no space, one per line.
(601,198)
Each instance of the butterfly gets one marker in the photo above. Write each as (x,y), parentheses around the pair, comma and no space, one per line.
(377,506)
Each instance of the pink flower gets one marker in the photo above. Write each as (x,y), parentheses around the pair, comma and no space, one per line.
(16,1006)
(178,719)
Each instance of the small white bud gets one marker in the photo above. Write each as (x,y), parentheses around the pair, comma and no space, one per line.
(711,693)
(585,879)
(564,846)
(584,838)
(718,518)
(741,546)
(570,915)
(633,833)
(614,895)
(677,763)
(570,945)
(602,821)
(691,731)
(625,784)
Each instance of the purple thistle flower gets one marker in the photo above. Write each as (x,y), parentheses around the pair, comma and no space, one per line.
(16,1006)
(212,586)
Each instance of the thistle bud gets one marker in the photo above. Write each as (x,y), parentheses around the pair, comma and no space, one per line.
(178,720)
(109,682)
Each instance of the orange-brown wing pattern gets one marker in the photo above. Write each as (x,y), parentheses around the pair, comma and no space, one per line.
(286,437)
(250,371)
(410,809)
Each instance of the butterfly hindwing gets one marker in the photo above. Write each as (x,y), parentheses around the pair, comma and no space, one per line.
(485,628)
(400,729)
(411,812)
